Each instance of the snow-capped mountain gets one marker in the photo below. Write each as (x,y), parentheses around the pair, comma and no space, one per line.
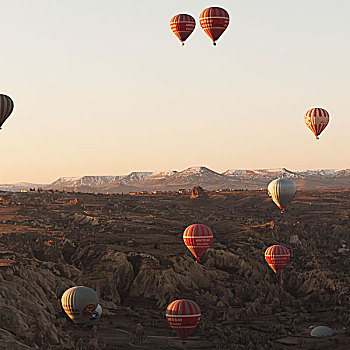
(85,181)
(199,173)
(193,176)
(19,186)
(262,173)
(234,172)
(186,178)
(162,175)
(135,177)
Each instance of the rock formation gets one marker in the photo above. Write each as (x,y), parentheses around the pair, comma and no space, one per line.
(133,256)
(198,192)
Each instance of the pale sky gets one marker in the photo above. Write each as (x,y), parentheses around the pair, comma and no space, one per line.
(105,88)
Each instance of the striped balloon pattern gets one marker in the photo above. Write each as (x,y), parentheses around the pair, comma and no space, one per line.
(282,192)
(198,239)
(79,303)
(317,119)
(277,256)
(214,21)
(183,316)
(182,25)
(6,108)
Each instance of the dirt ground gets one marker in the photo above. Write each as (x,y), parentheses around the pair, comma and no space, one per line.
(130,250)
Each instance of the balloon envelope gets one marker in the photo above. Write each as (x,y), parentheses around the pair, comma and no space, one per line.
(198,238)
(96,314)
(322,331)
(182,25)
(79,303)
(214,21)
(6,108)
(183,316)
(316,119)
(277,257)
(282,191)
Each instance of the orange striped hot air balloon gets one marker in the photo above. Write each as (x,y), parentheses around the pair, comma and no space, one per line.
(198,238)
(183,316)
(6,108)
(317,119)
(182,25)
(214,21)
(277,257)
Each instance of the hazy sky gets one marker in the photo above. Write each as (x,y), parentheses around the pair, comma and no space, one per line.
(105,88)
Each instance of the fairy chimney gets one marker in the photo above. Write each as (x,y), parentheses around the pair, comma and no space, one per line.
(198,192)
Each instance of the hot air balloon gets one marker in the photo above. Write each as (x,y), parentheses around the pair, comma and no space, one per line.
(277,257)
(6,108)
(79,303)
(183,316)
(322,331)
(96,314)
(198,238)
(182,25)
(282,191)
(316,119)
(214,21)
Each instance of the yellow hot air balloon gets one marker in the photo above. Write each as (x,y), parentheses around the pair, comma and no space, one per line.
(79,303)
(282,191)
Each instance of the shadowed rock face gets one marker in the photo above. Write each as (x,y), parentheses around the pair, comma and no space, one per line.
(130,250)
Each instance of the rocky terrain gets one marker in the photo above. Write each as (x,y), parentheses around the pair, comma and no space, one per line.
(130,250)
(193,176)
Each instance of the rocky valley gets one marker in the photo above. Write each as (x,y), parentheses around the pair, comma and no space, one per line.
(129,249)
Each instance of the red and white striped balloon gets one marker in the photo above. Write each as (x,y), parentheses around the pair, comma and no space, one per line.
(214,21)
(198,238)
(316,119)
(277,257)
(183,316)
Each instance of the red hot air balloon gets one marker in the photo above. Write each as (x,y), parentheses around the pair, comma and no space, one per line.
(6,108)
(183,316)
(198,239)
(277,257)
(316,119)
(182,25)
(214,21)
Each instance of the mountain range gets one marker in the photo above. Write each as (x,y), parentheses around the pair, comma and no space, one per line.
(190,177)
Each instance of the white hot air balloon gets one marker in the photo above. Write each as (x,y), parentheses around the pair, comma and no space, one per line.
(282,191)
(79,303)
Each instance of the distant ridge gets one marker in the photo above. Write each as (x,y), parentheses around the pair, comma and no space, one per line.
(193,176)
